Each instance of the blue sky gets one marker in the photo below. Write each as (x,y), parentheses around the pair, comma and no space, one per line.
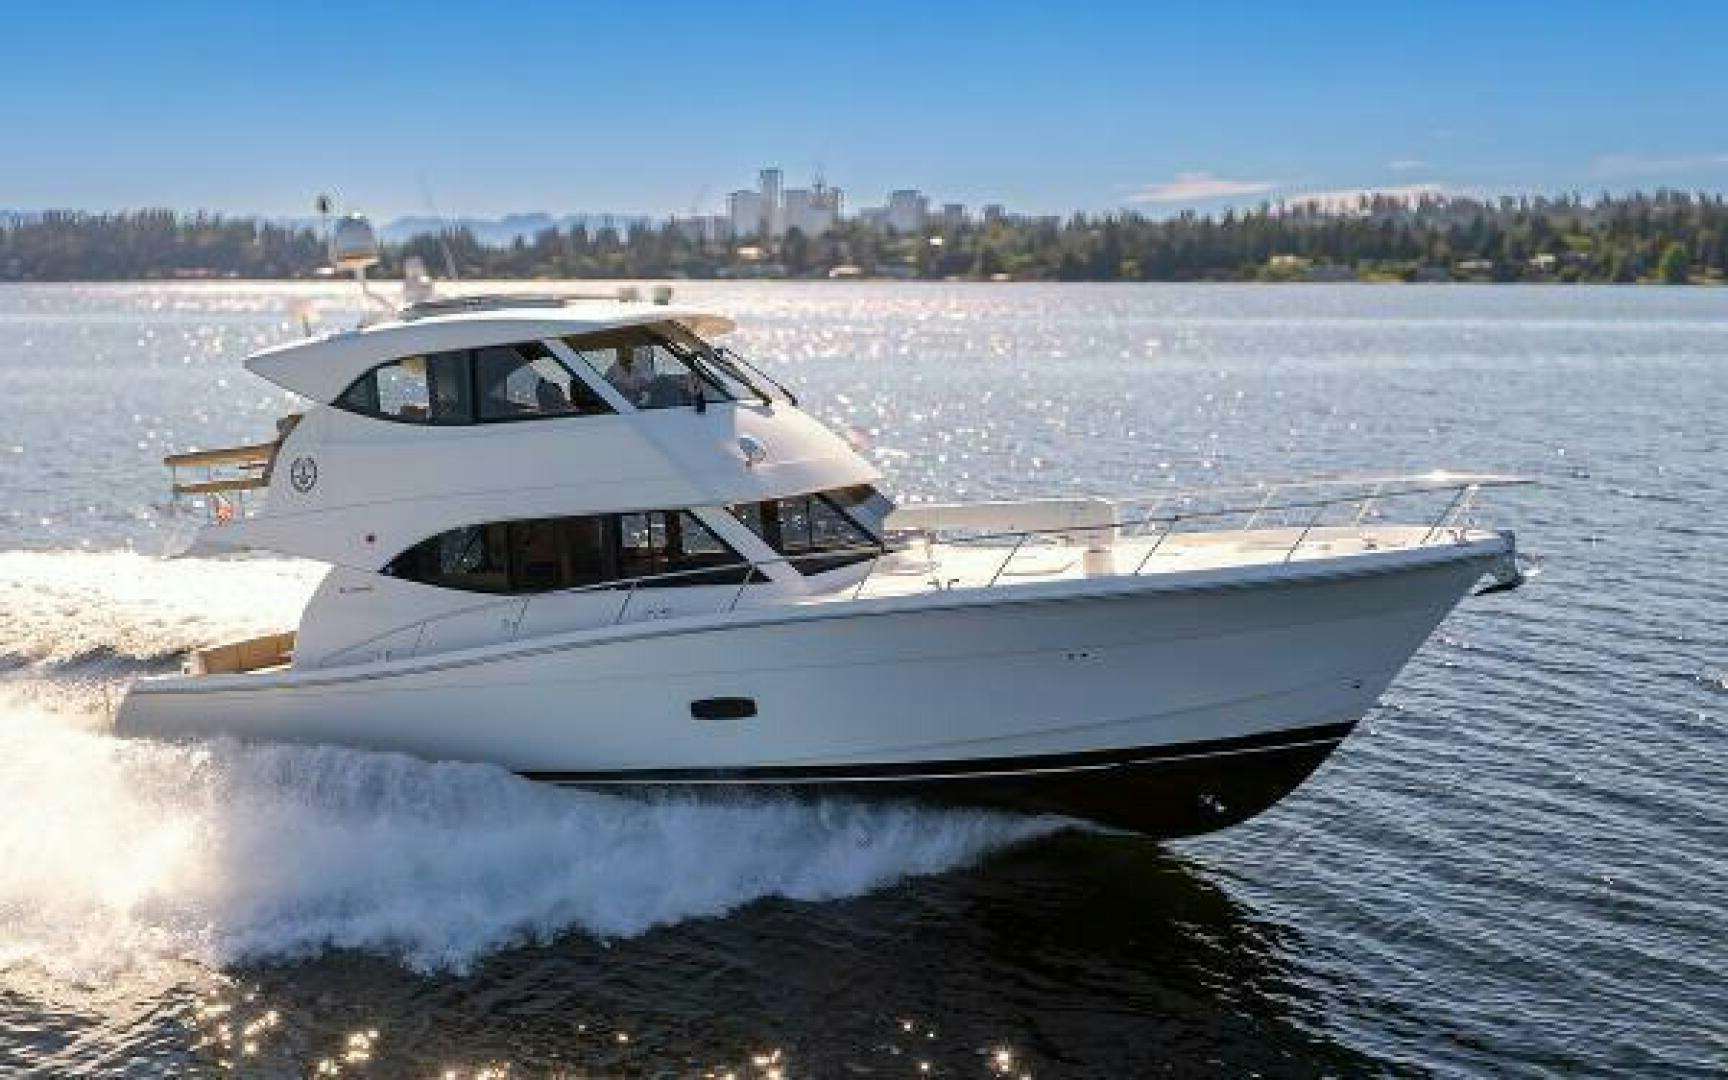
(658,107)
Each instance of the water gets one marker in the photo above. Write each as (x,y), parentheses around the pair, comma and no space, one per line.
(1519,866)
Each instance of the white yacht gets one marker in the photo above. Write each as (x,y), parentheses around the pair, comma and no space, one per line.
(582,541)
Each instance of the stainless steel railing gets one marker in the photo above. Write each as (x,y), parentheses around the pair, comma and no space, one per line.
(1448,525)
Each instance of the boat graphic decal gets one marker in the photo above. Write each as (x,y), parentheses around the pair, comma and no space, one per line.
(304,474)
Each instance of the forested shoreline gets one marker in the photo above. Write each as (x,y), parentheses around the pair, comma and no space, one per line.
(1666,236)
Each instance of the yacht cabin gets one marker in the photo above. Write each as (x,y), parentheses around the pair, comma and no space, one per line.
(604,453)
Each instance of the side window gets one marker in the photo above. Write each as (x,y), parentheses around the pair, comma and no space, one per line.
(544,554)
(674,542)
(473,557)
(518,381)
(812,523)
(807,525)
(404,391)
(865,505)
(431,389)
(557,553)
(647,370)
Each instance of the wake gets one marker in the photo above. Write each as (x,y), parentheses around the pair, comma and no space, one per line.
(64,606)
(120,856)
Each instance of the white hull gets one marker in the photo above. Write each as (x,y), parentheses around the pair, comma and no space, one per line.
(941,693)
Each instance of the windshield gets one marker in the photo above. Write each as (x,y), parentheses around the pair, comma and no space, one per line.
(717,364)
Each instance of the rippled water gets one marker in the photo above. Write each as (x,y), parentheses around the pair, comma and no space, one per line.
(1518,866)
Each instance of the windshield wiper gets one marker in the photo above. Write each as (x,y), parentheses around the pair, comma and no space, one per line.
(734,358)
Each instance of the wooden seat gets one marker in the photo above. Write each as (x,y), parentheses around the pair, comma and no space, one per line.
(253,654)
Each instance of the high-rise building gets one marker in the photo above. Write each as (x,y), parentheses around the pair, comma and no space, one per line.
(812,211)
(748,214)
(828,203)
(953,215)
(993,212)
(799,211)
(772,182)
(907,209)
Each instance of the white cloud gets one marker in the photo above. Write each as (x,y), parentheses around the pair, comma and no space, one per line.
(1198,187)
(1611,165)
(1406,165)
(1347,199)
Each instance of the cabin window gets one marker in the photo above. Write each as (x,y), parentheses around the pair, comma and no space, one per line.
(804,527)
(518,381)
(664,542)
(650,370)
(557,553)
(865,505)
(546,554)
(431,389)
(475,558)
(509,382)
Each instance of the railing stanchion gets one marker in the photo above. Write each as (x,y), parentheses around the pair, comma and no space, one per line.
(742,585)
(1440,520)
(1463,513)
(1018,544)
(629,595)
(1302,537)
(1169,527)
(1367,504)
(875,561)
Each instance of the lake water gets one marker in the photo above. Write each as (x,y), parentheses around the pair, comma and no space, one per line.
(1518,866)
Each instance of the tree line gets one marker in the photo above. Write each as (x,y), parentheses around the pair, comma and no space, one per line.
(1664,236)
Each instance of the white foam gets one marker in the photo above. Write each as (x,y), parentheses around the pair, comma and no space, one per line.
(62,605)
(121,856)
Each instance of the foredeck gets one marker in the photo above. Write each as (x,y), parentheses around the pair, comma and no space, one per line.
(948,566)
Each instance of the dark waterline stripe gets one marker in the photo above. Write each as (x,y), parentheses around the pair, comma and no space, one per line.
(959,767)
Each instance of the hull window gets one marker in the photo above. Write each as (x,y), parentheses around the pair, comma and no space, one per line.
(548,554)
(805,526)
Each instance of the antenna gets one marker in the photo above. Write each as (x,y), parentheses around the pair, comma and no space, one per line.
(443,231)
(321,206)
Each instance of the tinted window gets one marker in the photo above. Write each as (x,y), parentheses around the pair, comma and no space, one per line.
(544,554)
(863,504)
(518,381)
(430,389)
(474,557)
(664,542)
(514,382)
(649,370)
(557,553)
(807,525)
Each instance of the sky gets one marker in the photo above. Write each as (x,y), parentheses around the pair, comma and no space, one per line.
(662,108)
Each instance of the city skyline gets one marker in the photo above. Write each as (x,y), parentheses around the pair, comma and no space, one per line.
(1157,109)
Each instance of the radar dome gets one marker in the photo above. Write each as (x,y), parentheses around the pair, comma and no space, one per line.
(353,244)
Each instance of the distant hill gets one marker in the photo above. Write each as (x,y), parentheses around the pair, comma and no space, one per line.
(1667,236)
(506,230)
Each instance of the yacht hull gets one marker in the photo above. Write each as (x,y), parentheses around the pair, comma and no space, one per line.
(1162,706)
(1161,791)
